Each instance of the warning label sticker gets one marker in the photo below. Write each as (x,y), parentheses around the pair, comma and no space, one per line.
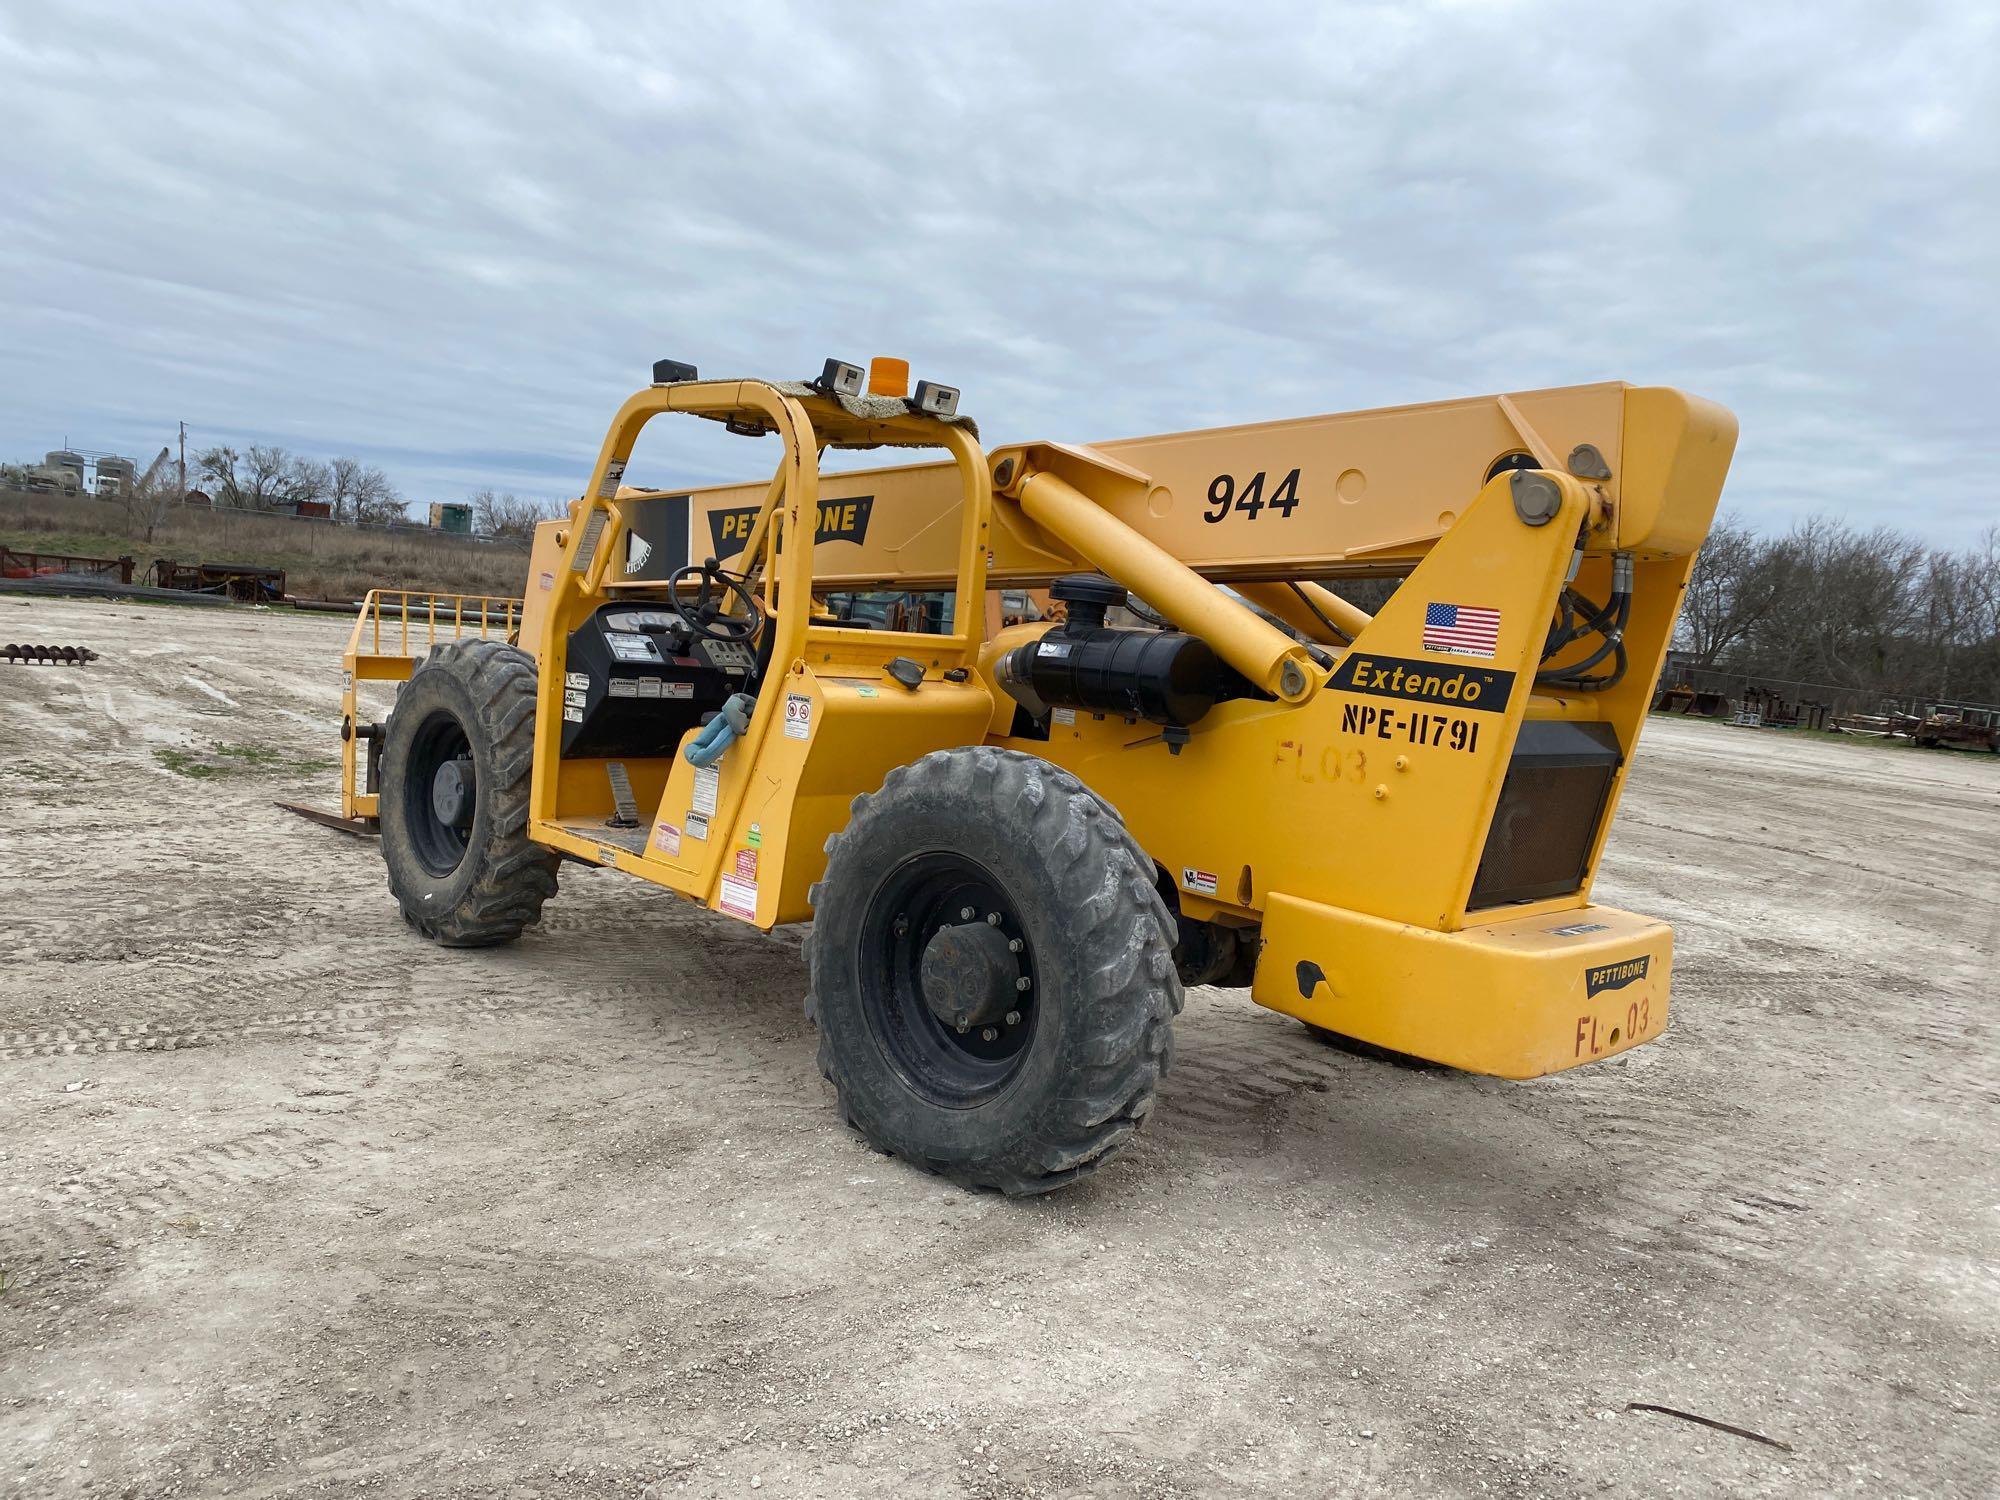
(666,838)
(697,827)
(574,696)
(576,679)
(1201,882)
(739,897)
(707,782)
(573,714)
(798,716)
(746,863)
(624,687)
(1063,715)
(631,647)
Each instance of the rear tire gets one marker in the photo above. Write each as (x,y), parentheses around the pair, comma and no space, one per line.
(1036,1091)
(456,762)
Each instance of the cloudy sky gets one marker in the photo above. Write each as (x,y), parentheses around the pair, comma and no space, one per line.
(450,239)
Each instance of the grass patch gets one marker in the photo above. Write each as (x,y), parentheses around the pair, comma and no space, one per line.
(38,771)
(220,760)
(319,559)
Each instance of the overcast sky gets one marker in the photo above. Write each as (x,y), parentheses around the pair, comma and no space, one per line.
(450,240)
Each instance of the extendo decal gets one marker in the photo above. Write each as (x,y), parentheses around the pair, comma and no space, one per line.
(1482,688)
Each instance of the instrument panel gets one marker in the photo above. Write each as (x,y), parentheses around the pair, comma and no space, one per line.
(641,619)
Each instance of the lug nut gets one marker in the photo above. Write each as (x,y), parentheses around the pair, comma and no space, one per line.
(988,1034)
(1021,983)
(1013,1018)
(1015,945)
(965,914)
(993,919)
(963,1028)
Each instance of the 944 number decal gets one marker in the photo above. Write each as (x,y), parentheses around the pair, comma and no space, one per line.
(1224,496)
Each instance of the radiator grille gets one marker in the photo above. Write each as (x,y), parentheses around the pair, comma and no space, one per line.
(1550,806)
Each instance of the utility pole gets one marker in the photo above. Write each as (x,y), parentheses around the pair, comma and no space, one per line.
(184,463)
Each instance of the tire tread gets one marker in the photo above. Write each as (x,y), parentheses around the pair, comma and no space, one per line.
(516,875)
(1127,1003)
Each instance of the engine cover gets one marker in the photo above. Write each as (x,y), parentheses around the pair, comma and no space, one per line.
(636,679)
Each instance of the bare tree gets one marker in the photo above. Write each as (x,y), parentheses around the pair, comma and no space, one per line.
(359,491)
(221,467)
(307,480)
(1733,587)
(261,477)
(380,505)
(509,515)
(343,475)
(264,470)
(150,496)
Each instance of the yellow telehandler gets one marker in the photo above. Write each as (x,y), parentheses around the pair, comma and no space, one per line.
(1016,843)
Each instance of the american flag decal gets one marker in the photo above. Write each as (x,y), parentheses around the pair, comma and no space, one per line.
(1461,630)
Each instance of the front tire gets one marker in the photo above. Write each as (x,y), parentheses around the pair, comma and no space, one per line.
(456,763)
(991,972)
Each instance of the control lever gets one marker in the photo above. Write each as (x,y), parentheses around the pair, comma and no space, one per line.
(721,732)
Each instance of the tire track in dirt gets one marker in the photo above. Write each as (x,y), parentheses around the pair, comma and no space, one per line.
(124,1201)
(176,1032)
(1679,1176)
(1680,1183)
(1233,1079)
(1940,1033)
(1674,1177)
(272,981)
(156,989)
(111,1205)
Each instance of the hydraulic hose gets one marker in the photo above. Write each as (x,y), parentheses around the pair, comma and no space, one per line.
(1607,620)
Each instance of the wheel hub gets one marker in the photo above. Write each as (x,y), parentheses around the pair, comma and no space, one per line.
(452,793)
(969,976)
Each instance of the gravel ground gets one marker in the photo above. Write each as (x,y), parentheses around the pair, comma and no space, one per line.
(298,1205)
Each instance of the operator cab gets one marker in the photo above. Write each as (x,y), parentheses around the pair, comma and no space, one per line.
(927,613)
(639,674)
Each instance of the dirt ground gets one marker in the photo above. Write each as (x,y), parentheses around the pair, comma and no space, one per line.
(297,1205)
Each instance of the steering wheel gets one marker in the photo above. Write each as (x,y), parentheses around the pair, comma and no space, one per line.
(708,614)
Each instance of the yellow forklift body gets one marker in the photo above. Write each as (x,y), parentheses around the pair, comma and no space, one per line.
(1401,815)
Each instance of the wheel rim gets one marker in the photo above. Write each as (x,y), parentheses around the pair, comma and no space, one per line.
(439,748)
(919,900)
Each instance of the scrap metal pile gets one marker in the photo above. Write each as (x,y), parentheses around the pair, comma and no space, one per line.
(17,564)
(246,583)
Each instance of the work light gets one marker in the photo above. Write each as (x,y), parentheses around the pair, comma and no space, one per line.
(938,400)
(839,378)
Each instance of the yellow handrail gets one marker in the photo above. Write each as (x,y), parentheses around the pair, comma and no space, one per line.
(499,617)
